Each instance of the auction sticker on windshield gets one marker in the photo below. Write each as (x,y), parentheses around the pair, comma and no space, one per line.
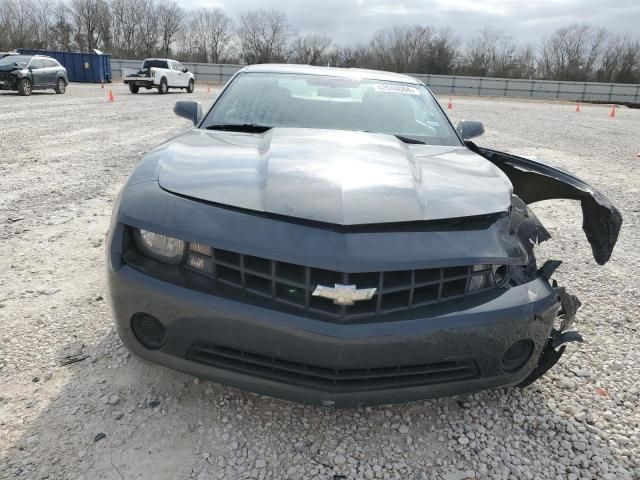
(395,88)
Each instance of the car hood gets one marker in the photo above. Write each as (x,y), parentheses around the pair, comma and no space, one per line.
(338,177)
(10,68)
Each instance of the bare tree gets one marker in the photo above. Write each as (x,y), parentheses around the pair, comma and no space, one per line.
(91,19)
(149,28)
(62,29)
(571,53)
(127,20)
(170,17)
(138,28)
(445,50)
(43,21)
(264,36)
(7,23)
(620,60)
(358,55)
(310,49)
(629,70)
(481,52)
(18,22)
(210,35)
(494,53)
(402,48)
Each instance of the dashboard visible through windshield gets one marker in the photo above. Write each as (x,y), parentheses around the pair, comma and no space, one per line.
(266,100)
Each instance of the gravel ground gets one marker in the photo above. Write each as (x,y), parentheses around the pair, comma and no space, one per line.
(74,404)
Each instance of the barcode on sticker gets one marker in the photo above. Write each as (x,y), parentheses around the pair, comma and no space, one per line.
(395,88)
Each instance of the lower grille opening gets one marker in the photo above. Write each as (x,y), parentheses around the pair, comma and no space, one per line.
(328,379)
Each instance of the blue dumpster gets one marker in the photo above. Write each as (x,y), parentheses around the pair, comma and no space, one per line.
(81,66)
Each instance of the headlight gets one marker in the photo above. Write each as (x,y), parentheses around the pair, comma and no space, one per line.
(481,277)
(485,276)
(159,247)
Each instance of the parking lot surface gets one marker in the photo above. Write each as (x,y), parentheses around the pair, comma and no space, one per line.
(75,405)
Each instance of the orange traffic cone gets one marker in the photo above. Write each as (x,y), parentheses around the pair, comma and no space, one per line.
(111,99)
(577,106)
(612,114)
(450,105)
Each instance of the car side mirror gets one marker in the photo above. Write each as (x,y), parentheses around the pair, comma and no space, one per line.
(469,129)
(189,110)
(185,70)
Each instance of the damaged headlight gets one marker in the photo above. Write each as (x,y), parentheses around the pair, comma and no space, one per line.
(481,277)
(159,247)
(485,276)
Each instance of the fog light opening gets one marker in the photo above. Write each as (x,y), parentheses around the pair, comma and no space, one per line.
(148,330)
(517,355)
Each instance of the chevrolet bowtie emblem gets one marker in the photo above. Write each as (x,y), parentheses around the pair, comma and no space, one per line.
(344,294)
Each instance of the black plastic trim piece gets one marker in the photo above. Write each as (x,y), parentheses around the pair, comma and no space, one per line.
(535,181)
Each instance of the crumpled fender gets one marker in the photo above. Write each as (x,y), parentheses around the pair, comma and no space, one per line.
(534,181)
(560,336)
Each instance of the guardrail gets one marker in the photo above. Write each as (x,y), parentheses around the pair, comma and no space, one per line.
(545,89)
(455,85)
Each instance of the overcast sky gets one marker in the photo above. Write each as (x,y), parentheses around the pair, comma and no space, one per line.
(350,21)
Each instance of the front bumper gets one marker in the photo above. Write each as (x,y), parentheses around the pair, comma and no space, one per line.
(7,82)
(292,351)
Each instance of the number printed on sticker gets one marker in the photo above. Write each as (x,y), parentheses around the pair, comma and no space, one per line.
(395,88)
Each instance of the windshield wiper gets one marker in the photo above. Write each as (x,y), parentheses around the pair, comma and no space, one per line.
(240,127)
(404,139)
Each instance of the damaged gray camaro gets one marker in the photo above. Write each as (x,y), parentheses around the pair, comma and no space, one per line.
(327,236)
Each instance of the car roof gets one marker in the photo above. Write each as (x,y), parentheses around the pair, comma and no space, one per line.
(356,73)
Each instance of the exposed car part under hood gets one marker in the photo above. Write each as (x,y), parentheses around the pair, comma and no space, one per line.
(534,181)
(331,176)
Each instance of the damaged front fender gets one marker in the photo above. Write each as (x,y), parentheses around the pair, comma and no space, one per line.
(559,337)
(534,181)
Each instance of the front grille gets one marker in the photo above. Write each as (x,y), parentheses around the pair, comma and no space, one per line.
(330,379)
(292,285)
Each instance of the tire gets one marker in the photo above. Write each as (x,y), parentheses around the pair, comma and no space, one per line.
(61,86)
(163,87)
(133,88)
(191,87)
(25,87)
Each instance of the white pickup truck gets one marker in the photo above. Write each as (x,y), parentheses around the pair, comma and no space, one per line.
(160,73)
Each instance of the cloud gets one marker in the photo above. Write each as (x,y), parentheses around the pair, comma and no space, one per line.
(351,21)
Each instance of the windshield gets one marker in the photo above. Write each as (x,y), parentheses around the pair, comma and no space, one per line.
(15,60)
(155,64)
(406,110)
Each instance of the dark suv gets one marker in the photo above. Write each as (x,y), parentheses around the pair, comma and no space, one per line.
(26,73)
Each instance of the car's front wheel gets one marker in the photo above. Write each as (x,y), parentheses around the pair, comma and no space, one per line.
(163,87)
(192,86)
(61,86)
(133,88)
(25,87)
